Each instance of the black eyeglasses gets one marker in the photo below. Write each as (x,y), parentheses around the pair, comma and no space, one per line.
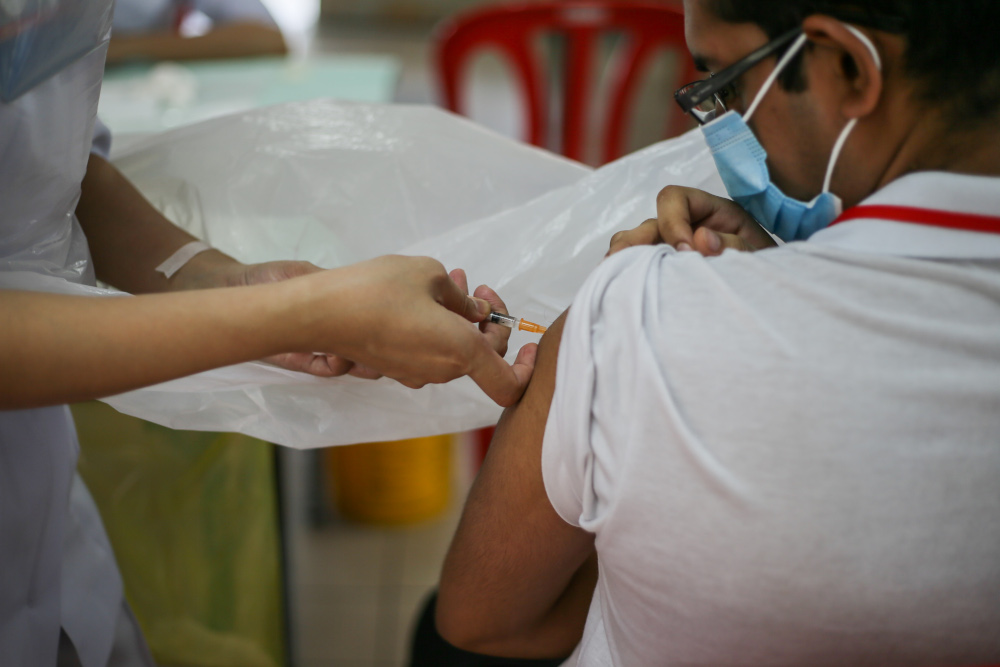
(702,99)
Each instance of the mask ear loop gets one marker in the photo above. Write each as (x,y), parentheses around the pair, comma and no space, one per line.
(837,148)
(842,139)
(793,51)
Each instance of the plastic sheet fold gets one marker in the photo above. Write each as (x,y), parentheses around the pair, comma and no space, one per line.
(335,183)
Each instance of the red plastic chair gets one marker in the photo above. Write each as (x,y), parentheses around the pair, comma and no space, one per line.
(512,28)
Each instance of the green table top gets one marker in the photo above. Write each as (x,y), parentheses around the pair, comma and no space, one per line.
(151,98)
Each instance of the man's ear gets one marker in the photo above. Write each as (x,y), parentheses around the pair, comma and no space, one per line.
(854,69)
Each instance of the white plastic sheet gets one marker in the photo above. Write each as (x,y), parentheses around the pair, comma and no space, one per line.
(336,183)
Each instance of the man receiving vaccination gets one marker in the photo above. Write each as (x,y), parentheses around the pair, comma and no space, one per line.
(782,457)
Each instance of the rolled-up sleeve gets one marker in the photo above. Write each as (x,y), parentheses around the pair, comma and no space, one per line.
(579,460)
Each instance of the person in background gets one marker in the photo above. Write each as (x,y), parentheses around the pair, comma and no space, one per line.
(789,455)
(151,30)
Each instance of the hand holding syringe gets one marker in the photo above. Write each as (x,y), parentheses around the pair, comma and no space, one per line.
(508,321)
(512,322)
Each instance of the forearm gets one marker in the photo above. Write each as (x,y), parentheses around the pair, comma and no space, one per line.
(515,613)
(235,40)
(552,634)
(129,238)
(57,349)
(518,580)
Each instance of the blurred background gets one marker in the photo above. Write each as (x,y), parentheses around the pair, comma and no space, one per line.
(373,51)
(235,552)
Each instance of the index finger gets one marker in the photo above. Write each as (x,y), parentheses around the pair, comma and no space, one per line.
(679,210)
(645,234)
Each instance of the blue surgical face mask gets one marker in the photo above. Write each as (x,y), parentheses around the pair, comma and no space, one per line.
(742,163)
(41,37)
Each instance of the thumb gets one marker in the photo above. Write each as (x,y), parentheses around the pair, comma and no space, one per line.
(454,298)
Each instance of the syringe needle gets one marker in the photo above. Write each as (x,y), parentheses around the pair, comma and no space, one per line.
(531,327)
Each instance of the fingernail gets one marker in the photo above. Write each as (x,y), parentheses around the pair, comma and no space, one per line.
(684,247)
(713,240)
(484,307)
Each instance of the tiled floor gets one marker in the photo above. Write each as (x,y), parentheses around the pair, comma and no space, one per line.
(360,589)
(356,589)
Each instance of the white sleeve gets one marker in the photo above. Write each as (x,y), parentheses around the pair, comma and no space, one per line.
(100,143)
(235,11)
(597,358)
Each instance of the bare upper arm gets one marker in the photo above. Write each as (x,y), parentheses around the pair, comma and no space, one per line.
(513,559)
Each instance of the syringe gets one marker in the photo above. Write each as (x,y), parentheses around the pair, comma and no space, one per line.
(515,323)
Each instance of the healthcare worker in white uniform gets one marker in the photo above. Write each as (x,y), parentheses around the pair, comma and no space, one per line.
(67,215)
(151,30)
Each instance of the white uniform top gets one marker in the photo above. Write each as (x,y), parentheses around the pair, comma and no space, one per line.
(56,565)
(791,457)
(140,16)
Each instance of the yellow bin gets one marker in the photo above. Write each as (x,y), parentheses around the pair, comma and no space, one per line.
(392,482)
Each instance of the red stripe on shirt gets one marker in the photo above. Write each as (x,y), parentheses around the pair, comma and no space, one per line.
(923,216)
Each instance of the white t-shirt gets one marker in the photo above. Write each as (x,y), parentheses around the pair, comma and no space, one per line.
(140,16)
(791,457)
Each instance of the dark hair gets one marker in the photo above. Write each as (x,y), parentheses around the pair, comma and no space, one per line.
(951,49)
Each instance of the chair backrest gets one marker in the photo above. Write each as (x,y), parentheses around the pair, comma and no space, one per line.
(512,28)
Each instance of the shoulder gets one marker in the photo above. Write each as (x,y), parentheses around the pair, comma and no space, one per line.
(653,341)
(641,316)
(664,294)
